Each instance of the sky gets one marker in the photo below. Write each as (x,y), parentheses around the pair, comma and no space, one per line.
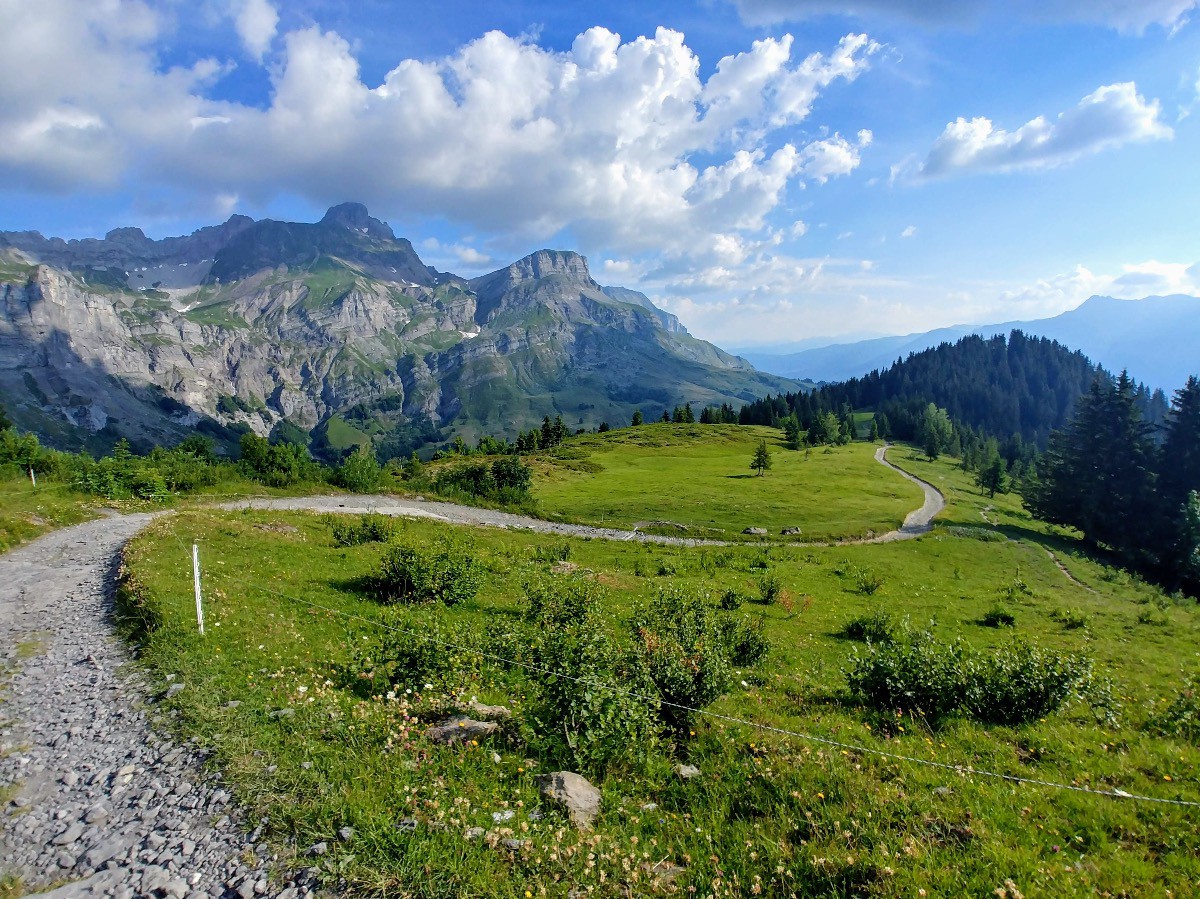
(771,171)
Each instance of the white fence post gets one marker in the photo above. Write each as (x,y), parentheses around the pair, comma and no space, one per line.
(32,476)
(196,577)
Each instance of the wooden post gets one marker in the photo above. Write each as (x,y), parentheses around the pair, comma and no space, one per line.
(196,578)
(32,476)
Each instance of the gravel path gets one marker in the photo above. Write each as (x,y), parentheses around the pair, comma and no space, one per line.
(94,798)
(918,522)
(915,524)
(94,801)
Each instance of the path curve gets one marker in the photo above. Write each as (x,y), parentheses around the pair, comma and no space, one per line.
(92,793)
(915,523)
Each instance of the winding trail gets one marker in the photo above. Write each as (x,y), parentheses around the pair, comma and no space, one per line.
(916,523)
(92,794)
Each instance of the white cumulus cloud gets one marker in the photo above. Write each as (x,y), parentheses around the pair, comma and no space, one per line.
(256,22)
(1108,117)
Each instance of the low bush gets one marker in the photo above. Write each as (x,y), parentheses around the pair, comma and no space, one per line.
(1021,682)
(414,574)
(370,527)
(422,652)
(874,628)
(1071,619)
(745,640)
(770,589)
(593,707)
(917,676)
(359,473)
(1181,717)
(555,552)
(679,641)
(1012,685)
(731,600)
(998,616)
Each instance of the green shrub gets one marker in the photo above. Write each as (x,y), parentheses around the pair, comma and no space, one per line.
(359,473)
(867,582)
(413,574)
(679,642)
(998,616)
(731,600)
(1015,684)
(917,676)
(745,639)
(370,527)
(770,589)
(593,707)
(874,628)
(555,552)
(666,568)
(1181,717)
(1022,682)
(1071,619)
(422,652)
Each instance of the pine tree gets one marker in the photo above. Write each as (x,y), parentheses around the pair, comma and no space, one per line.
(1097,473)
(762,458)
(791,432)
(689,417)
(637,418)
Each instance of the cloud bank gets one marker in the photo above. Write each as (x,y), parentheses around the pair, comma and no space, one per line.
(1108,117)
(622,141)
(1124,15)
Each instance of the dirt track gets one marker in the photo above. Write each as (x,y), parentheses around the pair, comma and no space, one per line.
(93,794)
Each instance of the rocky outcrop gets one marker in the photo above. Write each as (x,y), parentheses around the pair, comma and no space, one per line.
(251,323)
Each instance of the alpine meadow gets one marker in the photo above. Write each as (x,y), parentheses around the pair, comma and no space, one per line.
(560,450)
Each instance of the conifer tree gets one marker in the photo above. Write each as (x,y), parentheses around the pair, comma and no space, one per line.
(762,458)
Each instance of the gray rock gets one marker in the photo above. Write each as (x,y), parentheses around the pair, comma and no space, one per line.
(473,833)
(175,689)
(790,532)
(345,834)
(488,712)
(282,713)
(580,799)
(460,729)
(69,836)
(755,532)
(318,848)
(687,772)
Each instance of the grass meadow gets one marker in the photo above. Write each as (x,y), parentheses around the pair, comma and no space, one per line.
(699,476)
(292,625)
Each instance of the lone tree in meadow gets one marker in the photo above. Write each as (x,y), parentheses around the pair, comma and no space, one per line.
(762,458)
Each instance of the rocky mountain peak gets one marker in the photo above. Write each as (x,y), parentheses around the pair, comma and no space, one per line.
(355,217)
(544,263)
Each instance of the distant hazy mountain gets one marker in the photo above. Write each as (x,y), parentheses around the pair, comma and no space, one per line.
(334,329)
(1157,339)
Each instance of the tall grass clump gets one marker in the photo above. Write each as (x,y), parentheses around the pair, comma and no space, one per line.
(1181,717)
(370,527)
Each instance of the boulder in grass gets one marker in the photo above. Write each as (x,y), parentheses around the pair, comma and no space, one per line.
(790,532)
(461,729)
(573,792)
(488,712)
(755,532)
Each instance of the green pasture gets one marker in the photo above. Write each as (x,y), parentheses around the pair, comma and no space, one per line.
(291,626)
(660,476)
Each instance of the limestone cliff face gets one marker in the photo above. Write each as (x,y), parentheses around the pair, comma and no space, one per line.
(259,322)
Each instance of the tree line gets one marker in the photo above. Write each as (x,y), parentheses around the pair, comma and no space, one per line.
(1129,486)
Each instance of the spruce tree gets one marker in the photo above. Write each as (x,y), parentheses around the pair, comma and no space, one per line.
(762,458)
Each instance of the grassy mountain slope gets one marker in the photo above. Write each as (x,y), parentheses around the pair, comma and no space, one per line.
(768,813)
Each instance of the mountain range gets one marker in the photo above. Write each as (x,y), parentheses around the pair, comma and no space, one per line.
(334,331)
(1155,339)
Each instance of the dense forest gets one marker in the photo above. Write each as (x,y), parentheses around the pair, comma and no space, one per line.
(1016,389)
(1127,486)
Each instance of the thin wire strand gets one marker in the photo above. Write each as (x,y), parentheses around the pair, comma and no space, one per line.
(767,728)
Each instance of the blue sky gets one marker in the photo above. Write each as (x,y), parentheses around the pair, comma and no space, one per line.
(770,170)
